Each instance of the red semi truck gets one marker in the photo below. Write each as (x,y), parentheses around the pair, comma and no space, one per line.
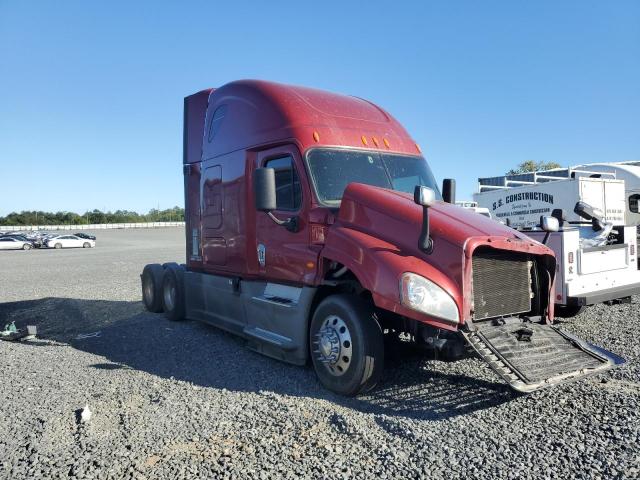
(315,228)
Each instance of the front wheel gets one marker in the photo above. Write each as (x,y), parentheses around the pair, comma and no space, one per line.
(86,245)
(57,246)
(26,246)
(347,345)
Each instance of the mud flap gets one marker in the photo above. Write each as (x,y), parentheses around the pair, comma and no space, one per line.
(531,356)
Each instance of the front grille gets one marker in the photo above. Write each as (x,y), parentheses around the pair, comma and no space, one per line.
(546,354)
(501,283)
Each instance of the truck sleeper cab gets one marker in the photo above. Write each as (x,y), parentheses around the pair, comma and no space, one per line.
(314,227)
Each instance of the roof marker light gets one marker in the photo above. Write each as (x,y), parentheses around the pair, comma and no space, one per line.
(316,136)
(386,143)
(364,140)
(375,141)
(418,148)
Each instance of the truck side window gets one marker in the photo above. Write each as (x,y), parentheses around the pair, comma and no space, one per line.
(633,202)
(288,191)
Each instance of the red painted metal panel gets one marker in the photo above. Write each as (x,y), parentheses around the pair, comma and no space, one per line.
(261,113)
(376,236)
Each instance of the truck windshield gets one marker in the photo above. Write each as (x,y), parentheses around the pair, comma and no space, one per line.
(332,170)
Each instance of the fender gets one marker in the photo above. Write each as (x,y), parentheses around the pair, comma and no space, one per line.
(379,265)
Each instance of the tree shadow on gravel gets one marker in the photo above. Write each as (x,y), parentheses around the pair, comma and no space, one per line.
(128,337)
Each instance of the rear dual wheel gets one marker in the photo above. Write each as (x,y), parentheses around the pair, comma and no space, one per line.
(347,346)
(151,279)
(173,292)
(163,289)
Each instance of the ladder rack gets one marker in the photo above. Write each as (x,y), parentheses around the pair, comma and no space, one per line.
(488,184)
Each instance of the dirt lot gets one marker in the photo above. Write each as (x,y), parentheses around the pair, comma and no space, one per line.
(185,400)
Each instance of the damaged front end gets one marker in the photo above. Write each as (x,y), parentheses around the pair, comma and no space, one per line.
(531,356)
(510,316)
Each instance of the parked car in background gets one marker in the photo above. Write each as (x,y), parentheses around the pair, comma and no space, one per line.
(86,236)
(11,243)
(69,241)
(35,239)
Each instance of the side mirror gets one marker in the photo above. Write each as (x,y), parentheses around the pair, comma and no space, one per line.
(549,224)
(424,196)
(449,190)
(264,189)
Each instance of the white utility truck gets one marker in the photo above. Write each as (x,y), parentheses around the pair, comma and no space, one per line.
(595,248)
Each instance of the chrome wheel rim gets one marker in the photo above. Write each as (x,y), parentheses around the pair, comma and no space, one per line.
(169,296)
(333,346)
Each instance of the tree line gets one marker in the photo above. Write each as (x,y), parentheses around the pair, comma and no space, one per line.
(175,214)
(533,166)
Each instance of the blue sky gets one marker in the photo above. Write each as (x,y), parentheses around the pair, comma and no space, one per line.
(91,92)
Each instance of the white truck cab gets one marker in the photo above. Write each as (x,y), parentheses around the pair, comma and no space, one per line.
(596,250)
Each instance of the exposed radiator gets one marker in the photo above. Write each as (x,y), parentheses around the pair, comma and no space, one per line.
(501,283)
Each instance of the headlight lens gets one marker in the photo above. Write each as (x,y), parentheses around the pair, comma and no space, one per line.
(423,295)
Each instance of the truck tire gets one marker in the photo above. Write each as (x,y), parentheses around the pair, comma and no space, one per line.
(151,280)
(568,311)
(173,292)
(346,345)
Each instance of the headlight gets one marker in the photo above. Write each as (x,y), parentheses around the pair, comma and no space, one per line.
(423,295)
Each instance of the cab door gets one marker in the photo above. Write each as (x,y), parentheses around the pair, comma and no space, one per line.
(286,256)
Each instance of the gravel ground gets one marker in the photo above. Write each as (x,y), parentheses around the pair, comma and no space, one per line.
(185,400)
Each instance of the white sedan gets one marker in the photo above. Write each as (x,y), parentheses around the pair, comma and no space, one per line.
(9,243)
(69,241)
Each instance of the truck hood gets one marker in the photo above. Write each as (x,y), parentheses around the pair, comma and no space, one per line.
(393,217)
(376,235)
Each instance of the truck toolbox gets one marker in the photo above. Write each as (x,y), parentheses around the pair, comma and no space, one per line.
(315,230)
(532,356)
